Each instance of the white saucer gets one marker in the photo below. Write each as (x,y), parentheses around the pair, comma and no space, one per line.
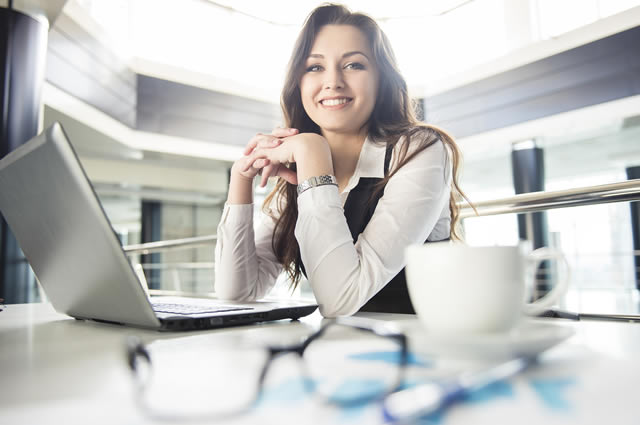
(530,337)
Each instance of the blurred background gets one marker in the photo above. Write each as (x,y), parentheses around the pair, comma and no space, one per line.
(159,97)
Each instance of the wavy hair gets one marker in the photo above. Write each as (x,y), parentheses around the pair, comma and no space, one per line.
(393,117)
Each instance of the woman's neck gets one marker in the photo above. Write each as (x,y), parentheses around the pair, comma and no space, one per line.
(345,151)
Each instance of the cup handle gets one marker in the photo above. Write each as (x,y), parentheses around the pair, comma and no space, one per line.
(538,306)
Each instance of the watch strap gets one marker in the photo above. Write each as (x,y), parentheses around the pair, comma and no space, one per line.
(317,181)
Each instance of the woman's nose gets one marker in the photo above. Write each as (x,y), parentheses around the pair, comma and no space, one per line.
(333,80)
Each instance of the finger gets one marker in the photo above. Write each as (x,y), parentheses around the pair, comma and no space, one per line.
(284,132)
(266,143)
(256,163)
(261,163)
(247,164)
(252,144)
(271,143)
(260,153)
(258,140)
(288,174)
(270,170)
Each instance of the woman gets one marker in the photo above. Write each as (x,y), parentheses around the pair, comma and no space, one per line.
(360,178)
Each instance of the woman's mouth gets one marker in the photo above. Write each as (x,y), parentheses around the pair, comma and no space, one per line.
(335,103)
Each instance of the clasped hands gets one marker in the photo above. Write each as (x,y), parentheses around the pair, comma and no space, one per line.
(269,154)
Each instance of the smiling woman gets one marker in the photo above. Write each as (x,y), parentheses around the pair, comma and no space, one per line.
(340,81)
(360,179)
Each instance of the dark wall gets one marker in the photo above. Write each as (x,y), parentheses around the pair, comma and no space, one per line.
(83,67)
(181,110)
(597,72)
(23,45)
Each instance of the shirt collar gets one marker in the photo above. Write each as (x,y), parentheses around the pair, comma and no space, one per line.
(371,160)
(370,163)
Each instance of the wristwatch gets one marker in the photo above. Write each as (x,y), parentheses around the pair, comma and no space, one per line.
(317,181)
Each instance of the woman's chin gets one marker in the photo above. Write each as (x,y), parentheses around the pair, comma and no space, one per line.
(342,128)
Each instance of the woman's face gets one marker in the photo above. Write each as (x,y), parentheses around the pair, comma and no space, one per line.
(339,84)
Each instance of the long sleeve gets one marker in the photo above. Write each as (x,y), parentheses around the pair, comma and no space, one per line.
(245,265)
(344,275)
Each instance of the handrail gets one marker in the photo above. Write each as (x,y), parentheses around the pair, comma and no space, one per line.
(523,203)
(150,247)
(541,201)
(183,266)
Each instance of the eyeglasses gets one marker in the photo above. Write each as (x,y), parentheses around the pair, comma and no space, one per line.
(348,361)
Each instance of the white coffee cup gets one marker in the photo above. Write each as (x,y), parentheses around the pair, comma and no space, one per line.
(468,289)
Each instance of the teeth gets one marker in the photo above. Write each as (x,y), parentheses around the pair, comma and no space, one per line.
(334,102)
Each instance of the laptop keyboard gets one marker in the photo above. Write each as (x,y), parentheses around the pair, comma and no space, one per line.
(188,309)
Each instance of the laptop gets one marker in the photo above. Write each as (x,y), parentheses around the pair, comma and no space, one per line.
(56,217)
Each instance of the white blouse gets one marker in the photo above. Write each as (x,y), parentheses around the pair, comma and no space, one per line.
(342,275)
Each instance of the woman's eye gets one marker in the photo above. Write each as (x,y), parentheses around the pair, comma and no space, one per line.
(354,65)
(314,68)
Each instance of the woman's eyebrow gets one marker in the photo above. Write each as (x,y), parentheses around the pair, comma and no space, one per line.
(355,52)
(346,55)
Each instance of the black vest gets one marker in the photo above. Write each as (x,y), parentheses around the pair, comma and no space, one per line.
(358,209)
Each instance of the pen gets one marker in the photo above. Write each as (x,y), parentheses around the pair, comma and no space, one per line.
(560,314)
(412,403)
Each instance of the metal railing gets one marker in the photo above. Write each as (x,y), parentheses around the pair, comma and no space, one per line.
(175,276)
(151,247)
(541,201)
(524,203)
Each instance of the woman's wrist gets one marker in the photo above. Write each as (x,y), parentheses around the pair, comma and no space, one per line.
(313,157)
(240,188)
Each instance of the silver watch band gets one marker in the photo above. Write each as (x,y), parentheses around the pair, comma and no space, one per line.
(317,181)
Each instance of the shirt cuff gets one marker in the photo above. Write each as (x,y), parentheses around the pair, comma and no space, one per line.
(326,195)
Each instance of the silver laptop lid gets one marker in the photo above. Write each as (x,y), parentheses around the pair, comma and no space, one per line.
(60,225)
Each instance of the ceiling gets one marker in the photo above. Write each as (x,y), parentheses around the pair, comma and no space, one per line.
(292,13)
(600,142)
(245,44)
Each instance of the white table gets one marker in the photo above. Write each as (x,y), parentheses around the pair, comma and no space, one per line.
(54,369)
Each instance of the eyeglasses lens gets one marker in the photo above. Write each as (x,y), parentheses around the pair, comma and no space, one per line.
(205,381)
(348,365)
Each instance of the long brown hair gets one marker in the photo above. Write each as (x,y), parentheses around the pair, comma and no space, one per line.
(392,118)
